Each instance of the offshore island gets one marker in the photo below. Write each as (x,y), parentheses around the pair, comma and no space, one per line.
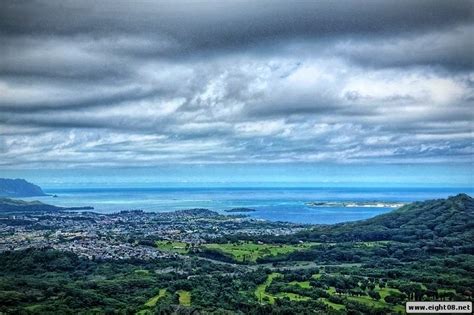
(240,210)
(355,204)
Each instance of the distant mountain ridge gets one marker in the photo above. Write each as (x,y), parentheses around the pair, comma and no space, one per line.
(19,188)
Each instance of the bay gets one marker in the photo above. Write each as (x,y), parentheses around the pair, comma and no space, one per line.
(270,203)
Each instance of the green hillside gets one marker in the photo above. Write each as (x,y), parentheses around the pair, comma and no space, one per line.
(444,221)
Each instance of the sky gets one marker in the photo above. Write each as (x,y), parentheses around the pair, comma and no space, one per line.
(265,90)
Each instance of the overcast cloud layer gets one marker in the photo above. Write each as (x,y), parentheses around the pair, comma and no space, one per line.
(117,83)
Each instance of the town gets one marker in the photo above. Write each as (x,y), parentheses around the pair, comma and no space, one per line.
(126,234)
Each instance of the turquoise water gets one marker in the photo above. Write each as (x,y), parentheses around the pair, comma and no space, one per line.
(275,204)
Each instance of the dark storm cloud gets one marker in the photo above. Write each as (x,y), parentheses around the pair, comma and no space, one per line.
(451,49)
(110,82)
(171,29)
(215,23)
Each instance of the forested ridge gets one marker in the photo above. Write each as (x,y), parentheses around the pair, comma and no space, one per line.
(19,188)
(450,221)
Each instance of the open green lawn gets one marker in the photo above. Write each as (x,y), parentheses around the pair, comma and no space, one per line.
(367,300)
(33,308)
(331,290)
(260,291)
(184,298)
(303,284)
(446,290)
(385,291)
(172,246)
(380,303)
(262,295)
(142,272)
(316,276)
(292,296)
(152,302)
(249,251)
(371,302)
(335,306)
(370,244)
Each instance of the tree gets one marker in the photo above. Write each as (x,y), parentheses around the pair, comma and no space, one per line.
(374,295)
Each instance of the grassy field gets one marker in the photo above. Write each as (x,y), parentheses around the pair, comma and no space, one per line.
(446,291)
(292,296)
(371,302)
(331,290)
(303,284)
(263,296)
(142,272)
(335,306)
(184,298)
(370,244)
(33,308)
(368,300)
(250,252)
(152,302)
(261,293)
(171,246)
(316,276)
(385,291)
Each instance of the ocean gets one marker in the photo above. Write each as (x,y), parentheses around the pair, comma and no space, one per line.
(274,204)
